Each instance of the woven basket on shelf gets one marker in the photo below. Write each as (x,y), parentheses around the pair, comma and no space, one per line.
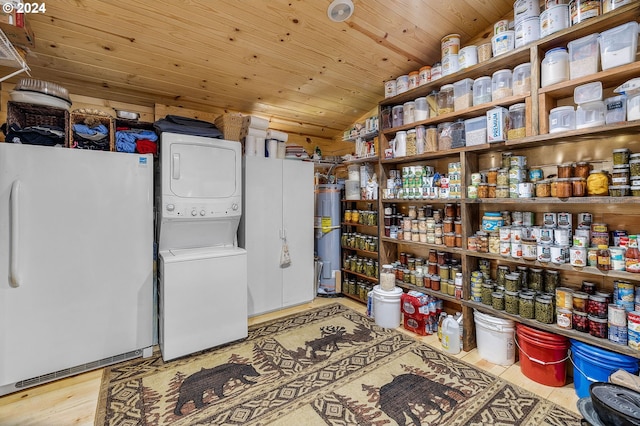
(28,115)
(230,125)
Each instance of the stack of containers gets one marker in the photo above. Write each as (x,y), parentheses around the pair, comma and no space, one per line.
(450,47)
(527,22)
(591,108)
(503,39)
(554,18)
(420,312)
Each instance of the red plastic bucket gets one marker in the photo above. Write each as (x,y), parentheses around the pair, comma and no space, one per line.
(543,355)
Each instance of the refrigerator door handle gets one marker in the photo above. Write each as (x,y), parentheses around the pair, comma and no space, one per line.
(175,167)
(14,203)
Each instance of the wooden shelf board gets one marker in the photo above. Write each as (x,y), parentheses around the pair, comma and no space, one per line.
(365,252)
(373,159)
(555,200)
(364,277)
(418,244)
(353,296)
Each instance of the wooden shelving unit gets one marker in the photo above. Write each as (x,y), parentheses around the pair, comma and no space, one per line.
(544,150)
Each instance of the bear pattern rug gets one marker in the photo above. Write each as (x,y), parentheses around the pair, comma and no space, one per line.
(326,366)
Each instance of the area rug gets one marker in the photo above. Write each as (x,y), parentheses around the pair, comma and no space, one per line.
(325,366)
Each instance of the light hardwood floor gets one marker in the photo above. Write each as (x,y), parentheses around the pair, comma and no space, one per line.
(73,401)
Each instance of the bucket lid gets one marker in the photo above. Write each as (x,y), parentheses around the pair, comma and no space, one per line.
(397,291)
(602,355)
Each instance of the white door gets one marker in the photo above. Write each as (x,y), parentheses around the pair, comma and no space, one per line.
(81,252)
(262,220)
(298,196)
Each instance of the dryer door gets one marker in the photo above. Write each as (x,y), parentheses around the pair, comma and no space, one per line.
(203,171)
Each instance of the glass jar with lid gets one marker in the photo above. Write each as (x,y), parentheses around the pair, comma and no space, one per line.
(565,170)
(502,178)
(543,188)
(563,188)
(598,183)
(582,169)
(544,309)
(445,99)
(578,186)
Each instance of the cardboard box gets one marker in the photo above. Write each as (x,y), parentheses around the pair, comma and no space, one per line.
(19,36)
(497,124)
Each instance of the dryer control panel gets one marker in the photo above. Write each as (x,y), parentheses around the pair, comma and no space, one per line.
(187,210)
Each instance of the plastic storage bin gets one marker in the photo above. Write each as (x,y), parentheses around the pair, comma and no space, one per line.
(616,109)
(495,338)
(562,119)
(476,131)
(462,94)
(589,92)
(521,80)
(618,45)
(445,99)
(422,109)
(590,114)
(584,56)
(481,90)
(501,84)
(633,107)
(555,67)
(503,42)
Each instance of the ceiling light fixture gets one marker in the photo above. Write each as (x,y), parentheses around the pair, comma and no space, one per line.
(340,10)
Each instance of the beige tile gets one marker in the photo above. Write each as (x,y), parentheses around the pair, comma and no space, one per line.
(474,358)
(565,397)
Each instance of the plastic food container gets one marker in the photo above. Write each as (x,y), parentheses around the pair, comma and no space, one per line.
(521,80)
(590,114)
(503,42)
(421,109)
(619,190)
(476,131)
(618,45)
(481,90)
(584,56)
(527,31)
(589,92)
(561,119)
(516,121)
(468,56)
(501,84)
(553,19)
(462,94)
(484,52)
(616,109)
(633,107)
(555,67)
(445,99)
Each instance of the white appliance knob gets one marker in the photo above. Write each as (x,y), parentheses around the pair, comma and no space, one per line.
(170,207)
(234,206)
(202,212)
(194,212)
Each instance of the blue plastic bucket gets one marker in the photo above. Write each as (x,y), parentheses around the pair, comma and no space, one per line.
(593,364)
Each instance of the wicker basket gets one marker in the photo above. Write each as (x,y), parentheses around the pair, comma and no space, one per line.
(27,115)
(231,126)
(79,118)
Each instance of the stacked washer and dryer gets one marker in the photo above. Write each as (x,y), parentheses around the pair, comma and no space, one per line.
(202,273)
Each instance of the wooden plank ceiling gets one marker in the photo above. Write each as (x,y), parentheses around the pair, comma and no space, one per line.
(279,59)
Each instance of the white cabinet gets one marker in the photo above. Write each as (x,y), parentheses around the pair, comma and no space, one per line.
(278,202)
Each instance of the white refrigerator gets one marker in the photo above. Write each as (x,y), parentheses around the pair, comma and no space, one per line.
(76,261)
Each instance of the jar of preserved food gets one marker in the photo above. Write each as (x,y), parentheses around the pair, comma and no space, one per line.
(447,225)
(598,183)
(578,186)
(604,258)
(413,214)
(565,170)
(620,156)
(544,309)
(492,190)
(580,321)
(526,305)
(450,211)
(551,280)
(582,169)
(512,282)
(620,175)
(487,289)
(435,282)
(580,299)
(554,187)
(563,188)
(529,249)
(543,188)
(482,242)
(459,240)
(497,301)
(502,191)
(492,175)
(511,302)
(411,263)
(597,326)
(483,190)
(502,178)
(450,239)
(597,306)
(588,287)
(564,318)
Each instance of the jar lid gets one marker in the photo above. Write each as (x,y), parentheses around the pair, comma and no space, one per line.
(634,160)
(621,166)
(526,64)
(582,163)
(552,272)
(575,179)
(580,313)
(543,299)
(483,78)
(426,67)
(446,87)
(503,71)
(635,188)
(614,187)
(562,108)
(596,319)
(556,50)
(410,102)
(592,172)
(569,164)
(497,295)
(411,130)
(620,150)
(542,182)
(527,295)
(517,107)
(492,214)
(413,73)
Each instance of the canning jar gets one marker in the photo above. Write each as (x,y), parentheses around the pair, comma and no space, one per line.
(563,188)
(497,301)
(511,302)
(487,289)
(543,188)
(580,321)
(555,67)
(512,282)
(502,178)
(582,169)
(620,156)
(578,187)
(483,190)
(598,183)
(565,170)
(526,305)
(597,326)
(529,249)
(597,306)
(620,174)
(544,309)
(580,300)
(501,274)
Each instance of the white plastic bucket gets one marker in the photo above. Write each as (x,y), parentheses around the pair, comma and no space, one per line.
(386,307)
(495,339)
